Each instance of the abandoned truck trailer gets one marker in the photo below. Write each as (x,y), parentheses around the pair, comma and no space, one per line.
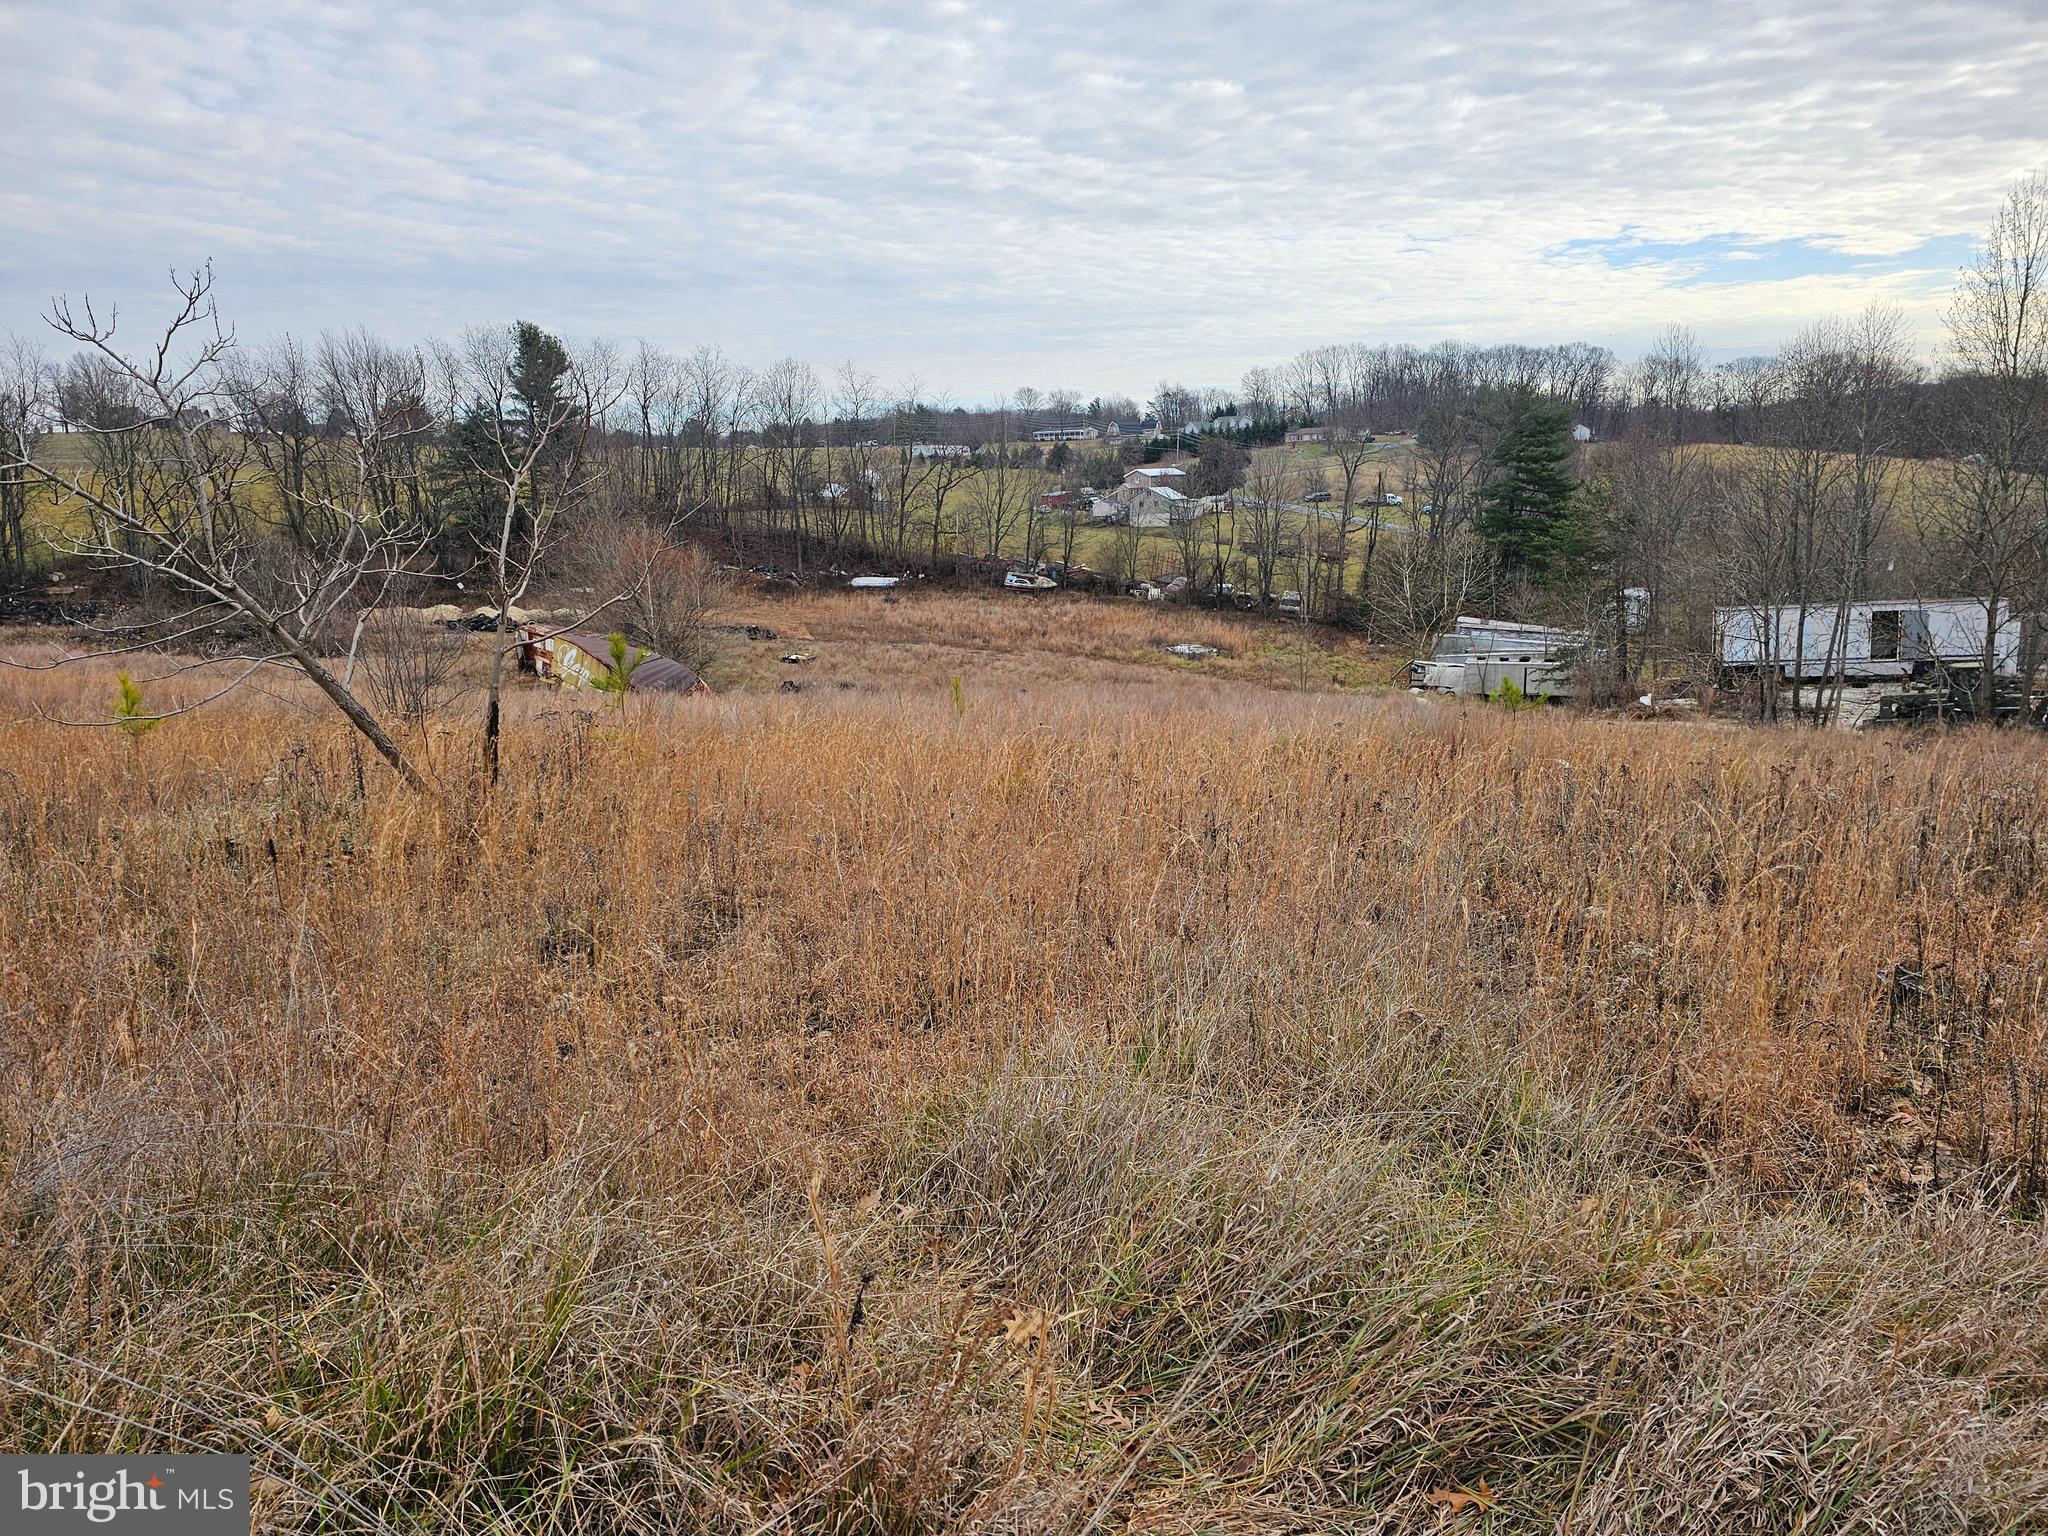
(1476,656)
(1895,638)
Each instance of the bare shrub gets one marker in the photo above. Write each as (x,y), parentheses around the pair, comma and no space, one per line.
(672,601)
(413,665)
(669,588)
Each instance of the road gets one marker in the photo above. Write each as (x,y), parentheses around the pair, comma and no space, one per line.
(1331,514)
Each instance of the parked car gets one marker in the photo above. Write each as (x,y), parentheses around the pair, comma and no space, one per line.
(1317,496)
(1027,581)
(1391,499)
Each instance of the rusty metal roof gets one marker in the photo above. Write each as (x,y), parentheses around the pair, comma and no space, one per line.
(656,674)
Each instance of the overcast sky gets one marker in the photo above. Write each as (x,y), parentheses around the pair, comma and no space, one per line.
(1061,194)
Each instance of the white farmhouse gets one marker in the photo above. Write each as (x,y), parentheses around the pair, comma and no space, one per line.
(1151,498)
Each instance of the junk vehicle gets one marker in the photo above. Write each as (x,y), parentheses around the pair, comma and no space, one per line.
(1028,581)
(1951,696)
(1877,641)
(1475,656)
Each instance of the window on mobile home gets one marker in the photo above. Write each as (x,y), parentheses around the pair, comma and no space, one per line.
(1885,627)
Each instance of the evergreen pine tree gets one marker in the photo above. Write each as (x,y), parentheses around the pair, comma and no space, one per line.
(465,500)
(1528,492)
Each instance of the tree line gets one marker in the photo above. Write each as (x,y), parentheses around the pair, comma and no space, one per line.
(286,492)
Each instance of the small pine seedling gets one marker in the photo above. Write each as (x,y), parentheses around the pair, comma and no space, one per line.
(618,679)
(131,714)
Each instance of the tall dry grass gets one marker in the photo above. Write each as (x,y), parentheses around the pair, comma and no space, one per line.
(852,1116)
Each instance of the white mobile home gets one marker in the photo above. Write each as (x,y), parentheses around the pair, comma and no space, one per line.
(1897,637)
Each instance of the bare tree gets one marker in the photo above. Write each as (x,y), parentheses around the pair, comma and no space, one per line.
(1671,384)
(1028,400)
(667,589)
(411,666)
(1881,372)
(660,407)
(24,399)
(946,474)
(1662,497)
(904,471)
(856,455)
(1267,522)
(1757,559)
(1988,511)
(525,409)
(1126,547)
(1258,394)
(787,405)
(1351,448)
(717,402)
(175,508)
(1436,568)
(1001,496)
(1801,454)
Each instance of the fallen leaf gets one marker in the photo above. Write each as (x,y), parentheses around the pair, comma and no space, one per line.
(1457,1500)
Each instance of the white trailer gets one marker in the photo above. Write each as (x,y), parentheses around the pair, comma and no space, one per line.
(1893,638)
(1475,656)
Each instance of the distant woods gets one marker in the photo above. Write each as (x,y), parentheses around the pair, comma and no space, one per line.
(283,492)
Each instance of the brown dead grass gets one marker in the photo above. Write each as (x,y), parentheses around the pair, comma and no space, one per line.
(1136,1110)
(1006,642)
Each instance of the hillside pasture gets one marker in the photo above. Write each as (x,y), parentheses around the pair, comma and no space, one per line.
(1179,1108)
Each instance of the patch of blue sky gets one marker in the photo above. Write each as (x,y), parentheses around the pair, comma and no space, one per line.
(1729,258)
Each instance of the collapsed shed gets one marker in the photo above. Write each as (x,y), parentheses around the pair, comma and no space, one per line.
(576,658)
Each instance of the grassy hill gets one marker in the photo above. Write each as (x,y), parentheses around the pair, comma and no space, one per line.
(1096,1095)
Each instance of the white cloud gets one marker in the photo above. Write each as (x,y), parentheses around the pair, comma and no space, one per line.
(1073,193)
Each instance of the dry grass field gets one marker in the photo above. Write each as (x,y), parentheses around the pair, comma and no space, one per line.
(1006,642)
(1064,1105)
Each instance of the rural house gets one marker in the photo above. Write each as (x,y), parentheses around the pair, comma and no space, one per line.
(1149,498)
